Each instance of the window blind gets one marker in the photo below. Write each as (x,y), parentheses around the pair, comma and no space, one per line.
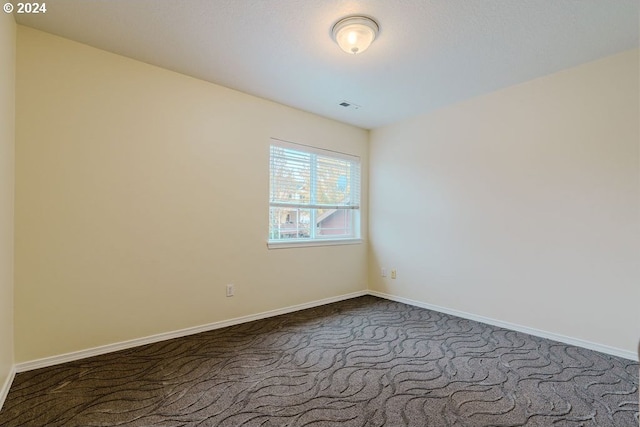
(310,192)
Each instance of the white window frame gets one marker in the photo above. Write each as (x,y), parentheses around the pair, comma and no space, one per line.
(316,240)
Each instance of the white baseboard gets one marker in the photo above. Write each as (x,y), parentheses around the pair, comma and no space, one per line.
(82,354)
(4,391)
(507,325)
(109,348)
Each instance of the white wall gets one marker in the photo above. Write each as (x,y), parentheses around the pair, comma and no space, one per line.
(141,192)
(520,206)
(7,139)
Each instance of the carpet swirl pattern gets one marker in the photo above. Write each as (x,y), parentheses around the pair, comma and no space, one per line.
(361,362)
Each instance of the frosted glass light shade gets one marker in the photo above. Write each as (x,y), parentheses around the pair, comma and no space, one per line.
(355,33)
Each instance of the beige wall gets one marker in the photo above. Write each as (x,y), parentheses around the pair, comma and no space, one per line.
(141,192)
(521,205)
(7,139)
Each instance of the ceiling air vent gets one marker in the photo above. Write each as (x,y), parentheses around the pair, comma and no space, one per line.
(347,104)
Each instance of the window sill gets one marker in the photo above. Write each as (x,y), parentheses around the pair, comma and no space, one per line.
(310,243)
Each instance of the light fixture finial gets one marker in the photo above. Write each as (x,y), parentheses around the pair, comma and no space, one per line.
(354,34)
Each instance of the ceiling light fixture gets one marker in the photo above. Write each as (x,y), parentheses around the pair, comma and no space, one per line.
(354,34)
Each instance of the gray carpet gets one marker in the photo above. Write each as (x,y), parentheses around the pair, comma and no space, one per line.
(361,362)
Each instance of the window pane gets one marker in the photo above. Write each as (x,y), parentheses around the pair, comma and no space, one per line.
(333,181)
(286,223)
(335,223)
(290,175)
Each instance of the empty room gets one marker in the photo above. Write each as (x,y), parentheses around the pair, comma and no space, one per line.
(319,213)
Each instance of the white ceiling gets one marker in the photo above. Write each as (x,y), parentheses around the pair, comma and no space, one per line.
(429,53)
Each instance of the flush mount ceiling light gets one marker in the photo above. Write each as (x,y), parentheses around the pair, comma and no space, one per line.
(355,34)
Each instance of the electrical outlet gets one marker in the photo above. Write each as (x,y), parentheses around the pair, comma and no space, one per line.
(231,290)
(383,272)
(393,273)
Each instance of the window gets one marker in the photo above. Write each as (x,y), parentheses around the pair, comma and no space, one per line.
(314,195)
